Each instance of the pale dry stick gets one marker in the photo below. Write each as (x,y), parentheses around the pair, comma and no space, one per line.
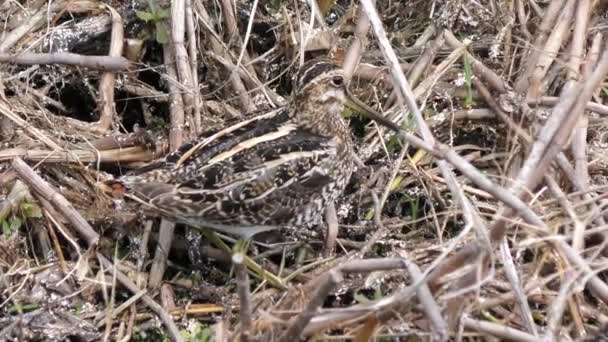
(161,254)
(17,194)
(145,92)
(353,54)
(543,31)
(193,52)
(327,283)
(371,265)
(180,54)
(233,31)
(579,145)
(46,191)
(472,190)
(143,251)
(550,50)
(19,122)
(230,18)
(535,7)
(316,10)
(57,247)
(523,19)
(118,310)
(579,136)
(109,308)
(579,226)
(491,102)
(577,54)
(128,154)
(497,330)
(425,61)
(303,39)
(518,291)
(371,73)
(426,35)
(553,100)
(216,46)
(29,176)
(331,220)
(29,24)
(479,69)
(106,104)
(425,296)
(593,55)
(248,80)
(505,39)
(593,79)
(53,217)
(167,298)
(556,310)
(103,63)
(242,285)
(243,57)
(176,108)
(396,113)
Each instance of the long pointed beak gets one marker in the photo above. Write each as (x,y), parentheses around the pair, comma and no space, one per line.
(358,106)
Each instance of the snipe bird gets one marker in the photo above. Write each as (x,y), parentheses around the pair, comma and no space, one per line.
(277,169)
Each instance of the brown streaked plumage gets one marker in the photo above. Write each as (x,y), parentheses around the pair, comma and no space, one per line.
(277,169)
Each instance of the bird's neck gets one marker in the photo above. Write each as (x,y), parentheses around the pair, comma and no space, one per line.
(320,118)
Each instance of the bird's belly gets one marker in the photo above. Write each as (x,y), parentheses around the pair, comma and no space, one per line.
(310,212)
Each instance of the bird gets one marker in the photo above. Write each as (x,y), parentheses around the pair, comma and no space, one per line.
(276,169)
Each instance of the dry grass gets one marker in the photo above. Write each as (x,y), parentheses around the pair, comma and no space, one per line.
(485,216)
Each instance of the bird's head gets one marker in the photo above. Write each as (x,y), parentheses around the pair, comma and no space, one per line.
(320,92)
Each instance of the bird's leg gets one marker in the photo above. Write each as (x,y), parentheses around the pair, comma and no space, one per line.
(277,282)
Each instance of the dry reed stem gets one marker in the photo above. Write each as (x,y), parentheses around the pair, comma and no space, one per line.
(106,104)
(180,54)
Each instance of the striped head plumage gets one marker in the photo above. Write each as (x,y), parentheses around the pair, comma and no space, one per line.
(319,97)
(276,169)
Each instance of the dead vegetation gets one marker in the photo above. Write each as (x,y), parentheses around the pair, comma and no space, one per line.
(484,215)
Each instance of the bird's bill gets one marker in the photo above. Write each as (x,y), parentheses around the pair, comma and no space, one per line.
(358,106)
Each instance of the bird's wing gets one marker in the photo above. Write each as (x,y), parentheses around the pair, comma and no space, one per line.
(177,165)
(283,167)
(231,173)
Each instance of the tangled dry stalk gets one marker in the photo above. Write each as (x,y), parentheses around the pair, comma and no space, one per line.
(478,208)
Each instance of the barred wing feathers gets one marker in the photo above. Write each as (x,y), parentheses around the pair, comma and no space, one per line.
(256,173)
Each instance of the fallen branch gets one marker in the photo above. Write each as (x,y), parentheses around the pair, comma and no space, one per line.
(104,63)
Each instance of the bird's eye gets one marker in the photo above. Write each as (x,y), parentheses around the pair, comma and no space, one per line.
(337,81)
